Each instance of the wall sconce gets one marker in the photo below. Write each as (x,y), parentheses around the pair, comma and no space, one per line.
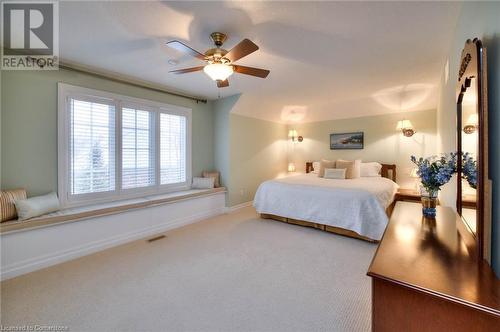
(294,136)
(406,128)
(471,124)
(291,167)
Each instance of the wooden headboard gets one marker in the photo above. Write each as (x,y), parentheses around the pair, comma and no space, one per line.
(388,170)
(309,167)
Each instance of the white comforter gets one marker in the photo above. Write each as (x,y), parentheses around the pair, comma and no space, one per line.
(358,204)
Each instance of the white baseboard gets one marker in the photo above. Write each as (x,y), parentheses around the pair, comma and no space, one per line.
(62,253)
(237,207)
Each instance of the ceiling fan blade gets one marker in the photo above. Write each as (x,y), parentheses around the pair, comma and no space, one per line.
(222,84)
(244,48)
(181,47)
(262,73)
(186,70)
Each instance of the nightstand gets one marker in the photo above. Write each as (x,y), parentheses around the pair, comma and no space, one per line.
(407,195)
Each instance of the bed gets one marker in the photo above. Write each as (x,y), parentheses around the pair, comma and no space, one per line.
(357,208)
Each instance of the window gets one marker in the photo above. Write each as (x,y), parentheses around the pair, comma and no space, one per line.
(92,147)
(173,148)
(114,147)
(137,148)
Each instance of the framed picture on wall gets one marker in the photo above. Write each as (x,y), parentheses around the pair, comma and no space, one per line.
(347,141)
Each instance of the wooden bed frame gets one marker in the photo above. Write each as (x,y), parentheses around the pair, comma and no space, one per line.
(388,171)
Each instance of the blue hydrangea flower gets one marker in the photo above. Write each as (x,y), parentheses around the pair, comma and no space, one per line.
(436,171)
(469,169)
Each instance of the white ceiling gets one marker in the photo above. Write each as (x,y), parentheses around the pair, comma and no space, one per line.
(327,59)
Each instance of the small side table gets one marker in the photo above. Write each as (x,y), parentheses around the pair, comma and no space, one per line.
(407,195)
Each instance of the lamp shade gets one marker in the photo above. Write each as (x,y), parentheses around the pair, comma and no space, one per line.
(472,120)
(471,124)
(413,173)
(404,124)
(218,71)
(291,167)
(292,133)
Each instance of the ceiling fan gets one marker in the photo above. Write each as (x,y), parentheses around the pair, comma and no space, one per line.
(220,63)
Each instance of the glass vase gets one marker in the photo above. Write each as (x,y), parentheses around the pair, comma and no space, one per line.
(429,203)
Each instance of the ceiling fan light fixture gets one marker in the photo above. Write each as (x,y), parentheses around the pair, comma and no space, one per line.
(218,71)
(220,63)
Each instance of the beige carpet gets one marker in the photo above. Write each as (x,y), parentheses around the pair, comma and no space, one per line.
(235,272)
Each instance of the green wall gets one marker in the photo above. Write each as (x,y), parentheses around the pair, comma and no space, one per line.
(481,20)
(257,153)
(222,110)
(29,125)
(248,151)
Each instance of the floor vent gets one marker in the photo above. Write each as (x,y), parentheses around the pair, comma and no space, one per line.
(156,238)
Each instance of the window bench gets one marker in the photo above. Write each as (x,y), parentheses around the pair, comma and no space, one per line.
(60,236)
(98,210)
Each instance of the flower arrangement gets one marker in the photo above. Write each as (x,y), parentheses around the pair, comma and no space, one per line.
(469,169)
(435,171)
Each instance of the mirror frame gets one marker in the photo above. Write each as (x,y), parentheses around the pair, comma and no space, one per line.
(473,65)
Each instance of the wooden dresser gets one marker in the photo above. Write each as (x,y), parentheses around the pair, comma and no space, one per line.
(425,279)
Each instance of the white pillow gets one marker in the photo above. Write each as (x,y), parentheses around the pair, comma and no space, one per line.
(335,173)
(370,169)
(36,206)
(316,165)
(203,183)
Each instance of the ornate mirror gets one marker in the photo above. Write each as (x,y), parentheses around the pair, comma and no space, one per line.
(472,138)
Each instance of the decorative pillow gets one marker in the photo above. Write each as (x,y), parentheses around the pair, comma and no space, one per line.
(325,164)
(370,169)
(203,183)
(353,168)
(215,175)
(357,168)
(7,206)
(316,166)
(36,206)
(335,173)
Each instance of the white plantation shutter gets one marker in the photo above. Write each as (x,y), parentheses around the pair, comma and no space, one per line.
(138,148)
(92,147)
(113,147)
(173,141)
